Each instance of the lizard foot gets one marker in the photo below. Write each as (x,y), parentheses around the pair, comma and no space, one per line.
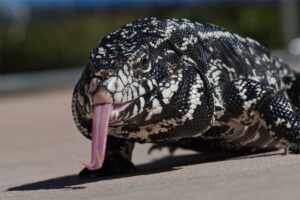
(111,166)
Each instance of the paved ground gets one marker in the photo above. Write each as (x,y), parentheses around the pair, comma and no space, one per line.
(38,141)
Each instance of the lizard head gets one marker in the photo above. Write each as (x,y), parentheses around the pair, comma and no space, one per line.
(124,70)
(119,86)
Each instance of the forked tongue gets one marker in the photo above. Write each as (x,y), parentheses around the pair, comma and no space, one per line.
(101,114)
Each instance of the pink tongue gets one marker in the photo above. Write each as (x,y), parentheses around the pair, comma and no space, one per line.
(101,114)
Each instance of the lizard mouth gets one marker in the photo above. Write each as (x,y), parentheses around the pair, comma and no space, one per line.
(104,97)
(116,109)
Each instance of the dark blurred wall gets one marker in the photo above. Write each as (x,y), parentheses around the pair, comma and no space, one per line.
(63,38)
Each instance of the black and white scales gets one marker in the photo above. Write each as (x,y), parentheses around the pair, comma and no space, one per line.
(188,84)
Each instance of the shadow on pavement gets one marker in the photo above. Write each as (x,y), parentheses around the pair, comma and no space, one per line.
(169,163)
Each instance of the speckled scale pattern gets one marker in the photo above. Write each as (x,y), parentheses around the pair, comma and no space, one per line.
(188,80)
(243,96)
(281,118)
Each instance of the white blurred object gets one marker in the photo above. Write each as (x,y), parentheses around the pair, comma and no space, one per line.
(294,47)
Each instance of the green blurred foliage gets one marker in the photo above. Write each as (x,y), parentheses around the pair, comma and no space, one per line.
(66,42)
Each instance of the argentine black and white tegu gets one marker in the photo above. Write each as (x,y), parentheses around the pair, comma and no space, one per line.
(186,84)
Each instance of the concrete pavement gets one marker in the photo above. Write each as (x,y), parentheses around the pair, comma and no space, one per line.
(38,140)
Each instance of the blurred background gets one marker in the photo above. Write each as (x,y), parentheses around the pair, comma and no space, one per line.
(46,42)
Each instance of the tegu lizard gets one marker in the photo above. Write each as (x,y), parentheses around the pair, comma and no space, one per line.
(183,83)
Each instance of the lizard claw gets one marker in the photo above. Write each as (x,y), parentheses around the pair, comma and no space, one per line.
(171,148)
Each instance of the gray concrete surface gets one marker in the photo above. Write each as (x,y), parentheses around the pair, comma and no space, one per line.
(38,140)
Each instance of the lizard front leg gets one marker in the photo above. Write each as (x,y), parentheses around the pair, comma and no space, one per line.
(117,159)
(247,99)
(281,119)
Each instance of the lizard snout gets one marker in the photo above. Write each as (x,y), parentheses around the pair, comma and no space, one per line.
(102,96)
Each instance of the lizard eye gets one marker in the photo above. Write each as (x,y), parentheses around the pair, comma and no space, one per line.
(144,61)
(146,65)
(143,66)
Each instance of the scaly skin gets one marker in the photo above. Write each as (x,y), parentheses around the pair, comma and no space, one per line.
(191,85)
